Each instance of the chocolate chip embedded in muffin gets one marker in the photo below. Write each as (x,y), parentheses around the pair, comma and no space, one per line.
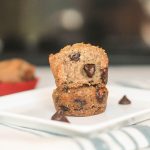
(100,95)
(75,56)
(59,116)
(89,70)
(64,108)
(104,75)
(80,103)
(65,88)
(124,100)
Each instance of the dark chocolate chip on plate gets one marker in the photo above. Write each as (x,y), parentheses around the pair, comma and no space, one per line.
(124,100)
(59,116)
(75,56)
(89,70)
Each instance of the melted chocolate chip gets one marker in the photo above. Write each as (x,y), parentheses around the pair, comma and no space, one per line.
(59,116)
(100,95)
(75,56)
(124,100)
(80,103)
(64,108)
(89,69)
(104,75)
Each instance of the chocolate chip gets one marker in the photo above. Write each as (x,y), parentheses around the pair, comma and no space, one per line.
(75,56)
(64,108)
(124,100)
(65,88)
(80,103)
(89,69)
(59,116)
(100,95)
(104,75)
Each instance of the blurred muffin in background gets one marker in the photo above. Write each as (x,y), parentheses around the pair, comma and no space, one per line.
(16,70)
(16,75)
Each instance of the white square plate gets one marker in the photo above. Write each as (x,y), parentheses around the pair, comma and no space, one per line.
(33,109)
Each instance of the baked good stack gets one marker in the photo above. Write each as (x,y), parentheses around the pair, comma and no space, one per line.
(80,73)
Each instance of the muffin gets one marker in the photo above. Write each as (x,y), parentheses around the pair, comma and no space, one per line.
(16,75)
(81,74)
(79,64)
(82,101)
(16,70)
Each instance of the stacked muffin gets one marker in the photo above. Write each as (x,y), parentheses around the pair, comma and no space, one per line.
(80,73)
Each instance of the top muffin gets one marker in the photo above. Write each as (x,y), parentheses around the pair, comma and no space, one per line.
(78,65)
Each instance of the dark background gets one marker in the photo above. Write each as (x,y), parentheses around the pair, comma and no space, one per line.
(32,29)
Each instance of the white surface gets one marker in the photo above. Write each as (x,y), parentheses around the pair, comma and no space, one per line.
(35,108)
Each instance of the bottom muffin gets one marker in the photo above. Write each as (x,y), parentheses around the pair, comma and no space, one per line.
(83,101)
